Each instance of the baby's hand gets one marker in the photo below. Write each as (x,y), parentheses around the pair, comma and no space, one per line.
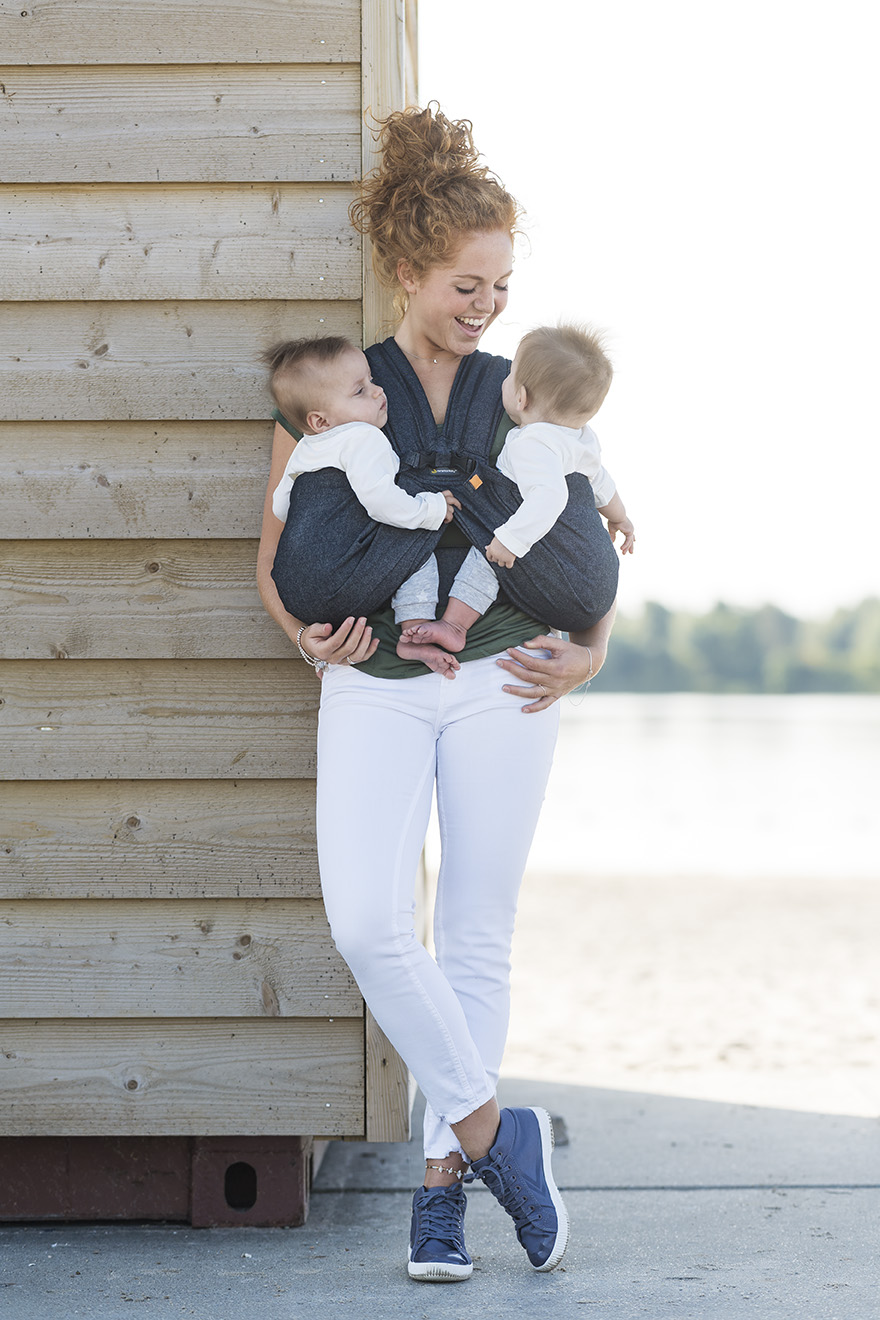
(626,529)
(451,503)
(496,553)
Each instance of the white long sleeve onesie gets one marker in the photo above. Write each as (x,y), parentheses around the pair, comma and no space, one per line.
(365,455)
(538,457)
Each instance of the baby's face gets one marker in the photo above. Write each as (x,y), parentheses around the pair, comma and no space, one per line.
(348,393)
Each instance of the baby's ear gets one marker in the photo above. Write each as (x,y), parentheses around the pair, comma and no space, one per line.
(316,423)
(522,399)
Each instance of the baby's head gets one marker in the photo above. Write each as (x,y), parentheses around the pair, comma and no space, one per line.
(560,374)
(322,383)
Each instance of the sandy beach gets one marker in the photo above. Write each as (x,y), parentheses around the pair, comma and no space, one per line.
(762,992)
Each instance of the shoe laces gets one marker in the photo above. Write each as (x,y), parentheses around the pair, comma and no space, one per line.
(441,1217)
(501,1181)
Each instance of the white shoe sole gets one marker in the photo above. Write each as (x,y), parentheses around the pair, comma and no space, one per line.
(437,1271)
(547,1143)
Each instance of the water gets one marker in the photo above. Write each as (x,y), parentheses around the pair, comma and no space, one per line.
(687,784)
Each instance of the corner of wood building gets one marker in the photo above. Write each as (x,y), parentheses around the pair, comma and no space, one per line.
(172,203)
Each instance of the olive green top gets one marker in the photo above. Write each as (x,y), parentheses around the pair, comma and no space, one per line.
(502,625)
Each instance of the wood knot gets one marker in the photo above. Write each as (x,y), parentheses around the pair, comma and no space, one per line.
(133,823)
(131,1084)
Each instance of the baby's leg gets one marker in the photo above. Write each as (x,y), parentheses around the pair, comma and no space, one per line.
(473,591)
(414,603)
(416,598)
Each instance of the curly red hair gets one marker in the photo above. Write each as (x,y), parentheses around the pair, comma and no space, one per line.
(427,194)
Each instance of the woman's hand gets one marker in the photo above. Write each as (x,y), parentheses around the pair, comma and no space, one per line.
(544,679)
(351,643)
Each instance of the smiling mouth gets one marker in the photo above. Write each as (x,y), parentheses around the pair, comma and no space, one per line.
(472,323)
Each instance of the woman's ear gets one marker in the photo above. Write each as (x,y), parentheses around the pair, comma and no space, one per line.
(406,276)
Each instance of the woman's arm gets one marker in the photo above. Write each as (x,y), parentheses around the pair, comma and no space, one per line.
(353,639)
(570,664)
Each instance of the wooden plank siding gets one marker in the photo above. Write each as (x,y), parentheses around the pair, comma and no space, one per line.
(112,479)
(168,958)
(275,122)
(135,599)
(157,719)
(176,176)
(181,32)
(181,1076)
(93,838)
(133,360)
(130,241)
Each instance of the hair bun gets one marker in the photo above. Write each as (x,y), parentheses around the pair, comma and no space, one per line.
(426,142)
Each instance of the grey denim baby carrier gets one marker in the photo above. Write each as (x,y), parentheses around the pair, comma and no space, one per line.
(333,561)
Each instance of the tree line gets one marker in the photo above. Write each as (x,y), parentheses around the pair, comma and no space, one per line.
(731,649)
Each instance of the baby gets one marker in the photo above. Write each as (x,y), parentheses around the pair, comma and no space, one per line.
(557,383)
(324,387)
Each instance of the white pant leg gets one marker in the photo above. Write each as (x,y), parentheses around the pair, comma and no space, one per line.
(492,774)
(376,762)
(379,740)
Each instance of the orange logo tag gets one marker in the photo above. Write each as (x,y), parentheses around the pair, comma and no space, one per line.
(475,481)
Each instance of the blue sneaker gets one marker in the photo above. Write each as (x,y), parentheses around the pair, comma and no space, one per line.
(436,1241)
(518,1174)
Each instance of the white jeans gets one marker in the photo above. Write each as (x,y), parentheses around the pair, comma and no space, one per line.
(381,743)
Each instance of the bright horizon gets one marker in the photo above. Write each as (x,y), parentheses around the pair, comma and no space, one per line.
(698,182)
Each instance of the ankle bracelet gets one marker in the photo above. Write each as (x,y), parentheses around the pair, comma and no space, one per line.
(440,1168)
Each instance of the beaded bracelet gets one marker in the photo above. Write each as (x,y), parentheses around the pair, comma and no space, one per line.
(320,665)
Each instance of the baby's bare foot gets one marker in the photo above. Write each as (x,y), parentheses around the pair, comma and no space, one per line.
(440,661)
(440,632)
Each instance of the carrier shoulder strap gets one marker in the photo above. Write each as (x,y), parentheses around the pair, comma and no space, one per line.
(472,416)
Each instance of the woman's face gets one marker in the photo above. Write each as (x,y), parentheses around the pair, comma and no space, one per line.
(451,306)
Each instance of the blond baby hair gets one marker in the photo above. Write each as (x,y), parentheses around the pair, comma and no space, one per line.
(564,370)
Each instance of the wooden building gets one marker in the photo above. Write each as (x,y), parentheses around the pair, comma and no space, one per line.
(175,177)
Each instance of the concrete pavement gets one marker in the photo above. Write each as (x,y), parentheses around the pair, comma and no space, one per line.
(681,1208)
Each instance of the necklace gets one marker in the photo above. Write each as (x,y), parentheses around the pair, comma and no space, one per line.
(431,361)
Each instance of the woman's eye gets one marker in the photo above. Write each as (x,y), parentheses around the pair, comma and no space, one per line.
(502,288)
(458,290)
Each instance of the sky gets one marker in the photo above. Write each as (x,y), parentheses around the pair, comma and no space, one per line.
(699,182)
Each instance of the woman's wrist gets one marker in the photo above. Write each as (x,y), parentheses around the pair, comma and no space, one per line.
(312,660)
(585,659)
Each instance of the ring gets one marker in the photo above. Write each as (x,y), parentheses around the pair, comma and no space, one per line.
(543,689)
(348,660)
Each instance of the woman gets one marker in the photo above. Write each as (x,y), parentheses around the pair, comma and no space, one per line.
(441,228)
